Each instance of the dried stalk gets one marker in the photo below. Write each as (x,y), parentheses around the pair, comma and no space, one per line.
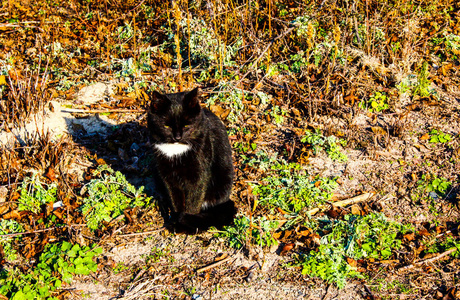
(428,260)
(343,203)
(214,264)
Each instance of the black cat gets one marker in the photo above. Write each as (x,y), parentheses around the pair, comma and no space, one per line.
(194,161)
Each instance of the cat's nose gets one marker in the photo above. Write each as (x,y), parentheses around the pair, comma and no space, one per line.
(177,136)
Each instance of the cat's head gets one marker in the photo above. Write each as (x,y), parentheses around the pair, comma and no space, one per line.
(174,118)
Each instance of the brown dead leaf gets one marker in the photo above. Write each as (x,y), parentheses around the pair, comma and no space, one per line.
(100,161)
(59,213)
(277,235)
(3,209)
(3,193)
(334,212)
(424,232)
(15,196)
(378,130)
(51,174)
(221,256)
(426,136)
(222,113)
(445,69)
(356,210)
(353,263)
(305,232)
(14,214)
(287,248)
(409,236)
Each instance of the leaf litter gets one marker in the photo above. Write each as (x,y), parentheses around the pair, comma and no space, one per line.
(384,80)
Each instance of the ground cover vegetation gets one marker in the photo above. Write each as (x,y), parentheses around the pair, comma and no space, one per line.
(344,121)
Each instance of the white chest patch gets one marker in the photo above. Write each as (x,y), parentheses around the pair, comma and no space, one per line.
(173,149)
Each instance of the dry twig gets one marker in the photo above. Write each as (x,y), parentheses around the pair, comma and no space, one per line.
(343,203)
(101,111)
(214,264)
(428,260)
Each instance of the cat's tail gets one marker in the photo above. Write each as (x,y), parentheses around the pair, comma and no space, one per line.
(216,216)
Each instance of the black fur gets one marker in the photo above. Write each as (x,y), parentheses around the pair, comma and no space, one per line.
(197,183)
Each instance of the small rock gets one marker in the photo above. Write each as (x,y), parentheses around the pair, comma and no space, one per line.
(122,154)
(3,193)
(433,195)
(134,147)
(57,204)
(197,297)
(250,276)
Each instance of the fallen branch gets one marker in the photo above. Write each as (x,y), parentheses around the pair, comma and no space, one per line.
(428,260)
(101,111)
(214,264)
(141,233)
(343,203)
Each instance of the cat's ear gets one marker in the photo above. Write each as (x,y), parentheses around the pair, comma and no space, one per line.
(157,101)
(192,99)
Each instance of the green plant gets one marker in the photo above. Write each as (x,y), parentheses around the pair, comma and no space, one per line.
(59,262)
(8,227)
(233,97)
(244,147)
(417,84)
(205,45)
(34,193)
(423,84)
(157,253)
(293,192)
(437,136)
(448,244)
(108,196)
(330,144)
(377,102)
(438,185)
(243,232)
(120,267)
(450,43)
(355,237)
(376,237)
(278,114)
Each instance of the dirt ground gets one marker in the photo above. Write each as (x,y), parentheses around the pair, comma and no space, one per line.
(382,77)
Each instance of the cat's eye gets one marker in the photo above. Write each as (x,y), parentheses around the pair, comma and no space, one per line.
(166,126)
(186,126)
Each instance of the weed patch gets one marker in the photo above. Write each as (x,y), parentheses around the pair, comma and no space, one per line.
(34,193)
(437,136)
(247,232)
(345,241)
(9,227)
(377,102)
(293,193)
(57,264)
(330,144)
(108,196)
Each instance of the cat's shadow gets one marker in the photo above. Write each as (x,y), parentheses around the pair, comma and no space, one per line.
(124,147)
